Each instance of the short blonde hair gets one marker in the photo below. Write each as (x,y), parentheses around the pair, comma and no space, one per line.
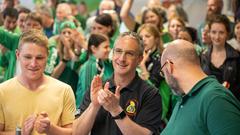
(34,36)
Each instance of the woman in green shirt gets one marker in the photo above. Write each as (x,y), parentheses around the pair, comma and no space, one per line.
(65,56)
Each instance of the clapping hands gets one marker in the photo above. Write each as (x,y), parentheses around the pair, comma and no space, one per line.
(41,123)
(104,97)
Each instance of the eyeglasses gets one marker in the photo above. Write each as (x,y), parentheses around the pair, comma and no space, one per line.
(129,54)
(161,72)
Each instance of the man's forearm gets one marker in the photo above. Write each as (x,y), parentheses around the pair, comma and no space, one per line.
(56,130)
(128,127)
(84,124)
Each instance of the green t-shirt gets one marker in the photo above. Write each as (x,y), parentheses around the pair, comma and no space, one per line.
(166,37)
(208,109)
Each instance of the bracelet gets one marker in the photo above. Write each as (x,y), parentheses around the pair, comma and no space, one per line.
(64,60)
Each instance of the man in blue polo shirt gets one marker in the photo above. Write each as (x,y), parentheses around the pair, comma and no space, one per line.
(205,107)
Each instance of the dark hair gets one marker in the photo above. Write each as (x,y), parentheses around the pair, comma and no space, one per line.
(95,40)
(11,12)
(192,32)
(159,12)
(221,19)
(236,7)
(105,20)
(22,9)
(237,21)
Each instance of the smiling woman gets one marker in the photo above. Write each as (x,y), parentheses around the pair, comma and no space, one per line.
(221,60)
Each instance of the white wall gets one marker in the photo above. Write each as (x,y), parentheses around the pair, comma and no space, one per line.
(196,10)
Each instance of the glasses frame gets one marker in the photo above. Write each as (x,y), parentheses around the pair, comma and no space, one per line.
(166,62)
(128,54)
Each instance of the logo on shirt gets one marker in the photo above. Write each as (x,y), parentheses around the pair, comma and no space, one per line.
(131,107)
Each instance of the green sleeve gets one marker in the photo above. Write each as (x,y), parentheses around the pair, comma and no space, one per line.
(83,57)
(51,61)
(86,74)
(165,93)
(52,56)
(166,38)
(82,20)
(108,70)
(4,58)
(9,39)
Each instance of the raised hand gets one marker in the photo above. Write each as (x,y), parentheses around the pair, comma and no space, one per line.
(96,85)
(146,55)
(28,125)
(66,41)
(109,100)
(144,74)
(42,124)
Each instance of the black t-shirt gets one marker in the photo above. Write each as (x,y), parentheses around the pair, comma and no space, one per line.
(217,72)
(140,101)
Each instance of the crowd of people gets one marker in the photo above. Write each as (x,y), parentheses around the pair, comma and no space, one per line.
(66,72)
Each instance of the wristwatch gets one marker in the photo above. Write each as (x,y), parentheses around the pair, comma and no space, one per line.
(121,115)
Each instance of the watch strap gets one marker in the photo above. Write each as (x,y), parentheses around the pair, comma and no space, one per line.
(121,115)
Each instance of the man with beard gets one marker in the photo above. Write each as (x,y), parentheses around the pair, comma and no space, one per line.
(126,105)
(205,106)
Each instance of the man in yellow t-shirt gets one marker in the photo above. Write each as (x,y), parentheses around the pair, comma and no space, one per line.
(36,103)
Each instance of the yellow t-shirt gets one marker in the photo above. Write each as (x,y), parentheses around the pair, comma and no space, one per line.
(17,103)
